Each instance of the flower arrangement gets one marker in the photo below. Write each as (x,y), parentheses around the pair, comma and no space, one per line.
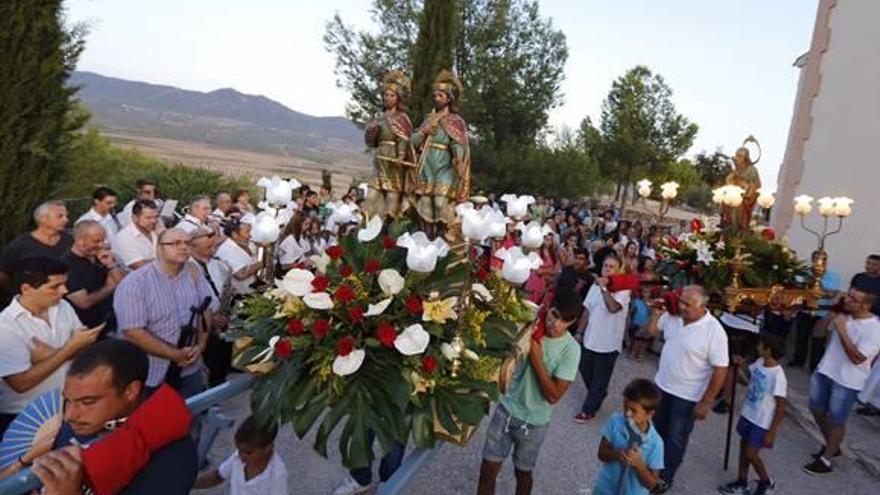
(393,334)
(704,255)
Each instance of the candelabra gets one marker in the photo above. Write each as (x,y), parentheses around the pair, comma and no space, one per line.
(668,193)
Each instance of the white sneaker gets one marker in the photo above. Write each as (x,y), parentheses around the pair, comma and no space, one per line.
(350,487)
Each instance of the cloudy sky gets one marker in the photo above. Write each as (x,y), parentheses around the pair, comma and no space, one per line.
(728,63)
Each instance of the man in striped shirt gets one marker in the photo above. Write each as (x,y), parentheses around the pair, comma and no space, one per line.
(155,302)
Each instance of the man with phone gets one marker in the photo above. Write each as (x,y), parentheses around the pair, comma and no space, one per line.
(39,334)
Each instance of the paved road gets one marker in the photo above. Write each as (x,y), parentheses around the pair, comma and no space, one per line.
(568,463)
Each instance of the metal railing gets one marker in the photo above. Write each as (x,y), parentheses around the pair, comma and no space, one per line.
(24,481)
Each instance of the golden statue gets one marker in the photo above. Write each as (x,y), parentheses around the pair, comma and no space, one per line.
(744,175)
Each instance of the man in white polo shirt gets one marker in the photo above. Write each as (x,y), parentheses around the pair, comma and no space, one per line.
(693,366)
(601,330)
(103,204)
(39,334)
(135,245)
(197,218)
(843,371)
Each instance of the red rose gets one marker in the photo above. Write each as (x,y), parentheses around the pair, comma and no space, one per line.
(356,315)
(696,226)
(345,271)
(389,242)
(372,266)
(335,252)
(386,334)
(283,348)
(320,329)
(320,283)
(414,304)
(345,346)
(344,293)
(482,274)
(429,364)
(295,327)
(768,234)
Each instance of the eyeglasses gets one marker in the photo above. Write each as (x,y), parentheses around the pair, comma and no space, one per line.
(181,243)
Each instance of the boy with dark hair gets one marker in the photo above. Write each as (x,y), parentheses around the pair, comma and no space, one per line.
(631,449)
(761,416)
(522,417)
(254,468)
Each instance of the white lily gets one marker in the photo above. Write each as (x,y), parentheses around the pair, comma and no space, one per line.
(297,282)
(265,228)
(318,300)
(479,224)
(533,234)
(391,282)
(422,254)
(448,351)
(517,265)
(378,308)
(346,365)
(469,354)
(482,292)
(413,340)
(373,227)
(704,253)
(517,206)
(320,261)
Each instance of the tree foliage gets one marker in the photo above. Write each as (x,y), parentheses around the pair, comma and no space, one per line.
(713,168)
(640,130)
(38,118)
(433,52)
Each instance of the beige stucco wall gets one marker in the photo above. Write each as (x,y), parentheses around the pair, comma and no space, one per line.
(841,153)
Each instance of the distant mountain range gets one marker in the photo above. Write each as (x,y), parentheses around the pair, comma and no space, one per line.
(224,117)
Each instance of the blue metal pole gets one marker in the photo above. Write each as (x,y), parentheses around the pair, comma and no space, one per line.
(404,475)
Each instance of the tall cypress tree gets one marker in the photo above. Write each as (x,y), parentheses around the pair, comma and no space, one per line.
(433,52)
(37,117)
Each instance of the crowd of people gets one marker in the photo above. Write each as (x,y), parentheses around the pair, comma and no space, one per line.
(126,313)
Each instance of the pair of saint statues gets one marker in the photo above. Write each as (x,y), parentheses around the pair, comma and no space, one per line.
(427,169)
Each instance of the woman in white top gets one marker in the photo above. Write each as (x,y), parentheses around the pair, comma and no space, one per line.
(295,245)
(236,251)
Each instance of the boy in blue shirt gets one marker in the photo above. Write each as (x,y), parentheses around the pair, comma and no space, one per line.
(631,449)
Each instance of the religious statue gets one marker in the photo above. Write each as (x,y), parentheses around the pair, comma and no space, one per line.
(388,134)
(444,160)
(744,175)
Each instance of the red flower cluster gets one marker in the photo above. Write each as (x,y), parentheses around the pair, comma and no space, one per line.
(335,252)
(768,234)
(414,304)
(356,315)
(320,329)
(345,271)
(386,334)
(295,327)
(320,283)
(344,294)
(482,274)
(345,346)
(283,348)
(429,364)
(389,242)
(372,265)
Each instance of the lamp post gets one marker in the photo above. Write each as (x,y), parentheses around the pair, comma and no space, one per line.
(278,193)
(840,207)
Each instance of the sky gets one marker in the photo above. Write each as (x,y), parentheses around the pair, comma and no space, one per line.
(729,63)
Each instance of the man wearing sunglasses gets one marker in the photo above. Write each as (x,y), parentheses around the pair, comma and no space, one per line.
(693,366)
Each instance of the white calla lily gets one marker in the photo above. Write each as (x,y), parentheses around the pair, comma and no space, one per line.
(413,340)
(448,351)
(346,365)
(373,227)
(297,282)
(320,261)
(391,282)
(265,228)
(378,308)
(469,354)
(479,224)
(318,300)
(266,354)
(482,292)
(422,254)
(517,265)
(517,206)
(533,234)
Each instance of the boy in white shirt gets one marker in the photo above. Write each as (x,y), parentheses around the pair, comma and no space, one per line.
(761,416)
(254,468)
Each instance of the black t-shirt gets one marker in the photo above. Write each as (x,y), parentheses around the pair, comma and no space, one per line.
(27,246)
(870,284)
(90,276)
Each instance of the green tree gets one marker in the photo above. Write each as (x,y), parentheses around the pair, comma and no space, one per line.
(641,131)
(37,116)
(713,168)
(433,52)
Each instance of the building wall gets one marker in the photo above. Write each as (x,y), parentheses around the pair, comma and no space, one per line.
(834,142)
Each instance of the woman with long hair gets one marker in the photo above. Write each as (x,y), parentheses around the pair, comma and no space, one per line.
(236,251)
(294,245)
(566,251)
(631,257)
(542,278)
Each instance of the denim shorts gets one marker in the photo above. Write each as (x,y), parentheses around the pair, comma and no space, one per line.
(831,398)
(751,433)
(506,432)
